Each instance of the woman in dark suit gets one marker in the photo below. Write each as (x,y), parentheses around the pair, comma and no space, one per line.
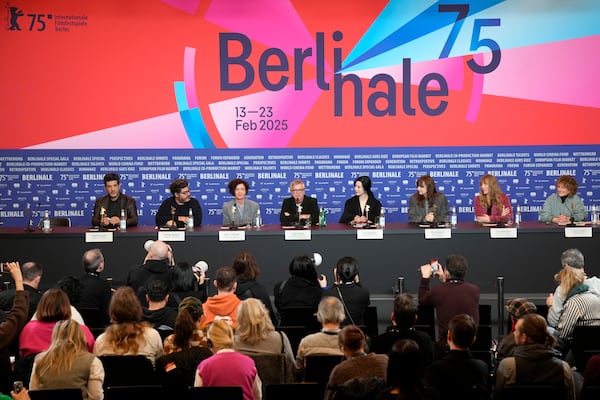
(363,207)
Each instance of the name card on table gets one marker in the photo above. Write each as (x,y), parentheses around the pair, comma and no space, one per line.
(98,237)
(369,234)
(503,233)
(232,236)
(438,233)
(298,234)
(578,231)
(171,236)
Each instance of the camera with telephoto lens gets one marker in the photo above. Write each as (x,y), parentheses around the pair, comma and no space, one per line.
(199,267)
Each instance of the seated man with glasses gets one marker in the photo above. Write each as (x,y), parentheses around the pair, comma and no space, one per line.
(299,207)
(176,209)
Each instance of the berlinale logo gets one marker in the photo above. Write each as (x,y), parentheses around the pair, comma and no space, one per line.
(14,14)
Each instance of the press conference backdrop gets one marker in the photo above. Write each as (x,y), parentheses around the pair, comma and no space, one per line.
(272,90)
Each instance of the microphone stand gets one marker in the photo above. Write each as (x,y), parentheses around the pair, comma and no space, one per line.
(102,228)
(500,223)
(29,227)
(232,225)
(434,223)
(173,226)
(571,218)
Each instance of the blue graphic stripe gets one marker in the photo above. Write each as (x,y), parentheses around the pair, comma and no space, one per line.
(192,120)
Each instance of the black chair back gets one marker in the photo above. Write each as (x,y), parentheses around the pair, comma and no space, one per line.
(127,370)
(293,391)
(216,393)
(426,321)
(529,392)
(318,368)
(585,344)
(56,394)
(146,392)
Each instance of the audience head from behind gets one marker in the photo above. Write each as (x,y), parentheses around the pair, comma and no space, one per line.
(346,271)
(331,311)
(303,267)
(462,331)
(187,321)
(572,258)
(405,311)
(125,306)
(72,287)
(225,280)
(532,328)
(157,292)
(93,261)
(352,341)
(68,341)
(568,278)
(53,306)
(159,250)
(567,184)
(184,279)
(518,307)
(406,365)
(219,336)
(456,267)
(32,273)
(254,322)
(246,266)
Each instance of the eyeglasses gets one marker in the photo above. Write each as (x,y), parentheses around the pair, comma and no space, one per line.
(297,190)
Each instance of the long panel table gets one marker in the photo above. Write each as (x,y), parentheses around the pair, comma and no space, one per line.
(527,262)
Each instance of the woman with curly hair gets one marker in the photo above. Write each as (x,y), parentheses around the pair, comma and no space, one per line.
(68,363)
(128,334)
(491,205)
(564,205)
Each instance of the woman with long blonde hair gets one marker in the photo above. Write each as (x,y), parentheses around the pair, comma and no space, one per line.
(491,205)
(68,363)
(128,334)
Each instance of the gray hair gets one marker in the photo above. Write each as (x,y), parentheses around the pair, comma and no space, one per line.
(572,258)
(331,310)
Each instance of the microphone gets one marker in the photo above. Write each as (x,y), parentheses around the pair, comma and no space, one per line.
(173,226)
(29,227)
(234,211)
(572,216)
(434,223)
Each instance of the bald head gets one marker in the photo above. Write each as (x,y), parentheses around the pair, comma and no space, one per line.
(93,261)
(159,250)
(32,273)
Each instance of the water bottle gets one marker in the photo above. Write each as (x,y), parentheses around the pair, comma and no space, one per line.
(382,218)
(518,217)
(46,222)
(123,221)
(594,215)
(322,218)
(453,217)
(258,222)
(190,220)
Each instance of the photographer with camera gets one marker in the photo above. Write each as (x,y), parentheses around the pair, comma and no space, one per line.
(454,296)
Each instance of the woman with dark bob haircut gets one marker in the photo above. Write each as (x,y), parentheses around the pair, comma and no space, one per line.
(247,270)
(564,205)
(301,289)
(240,210)
(363,207)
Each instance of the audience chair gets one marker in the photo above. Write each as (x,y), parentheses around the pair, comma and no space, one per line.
(426,321)
(56,394)
(371,328)
(216,393)
(485,314)
(293,391)
(528,392)
(146,392)
(176,371)
(590,393)
(295,333)
(585,344)
(94,319)
(127,370)
(300,316)
(54,222)
(273,368)
(318,368)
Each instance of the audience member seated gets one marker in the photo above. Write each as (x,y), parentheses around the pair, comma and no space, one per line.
(347,288)
(403,318)
(247,270)
(301,289)
(74,290)
(581,307)
(569,258)
(330,314)
(157,313)
(32,275)
(13,323)
(228,367)
(36,336)
(458,374)
(128,334)
(405,373)
(186,283)
(358,363)
(224,304)
(68,364)
(96,291)
(184,349)
(591,375)
(535,362)
(516,308)
(157,265)
(454,296)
